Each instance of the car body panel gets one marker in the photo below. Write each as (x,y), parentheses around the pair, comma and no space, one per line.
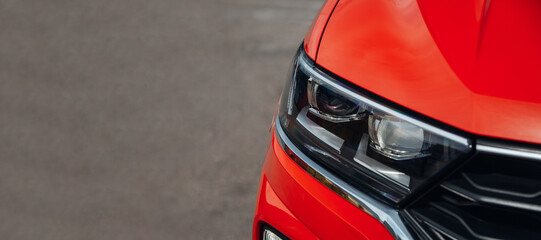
(492,45)
(326,214)
(313,36)
(474,65)
(396,49)
(271,210)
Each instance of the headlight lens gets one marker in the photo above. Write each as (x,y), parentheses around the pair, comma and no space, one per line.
(367,143)
(396,138)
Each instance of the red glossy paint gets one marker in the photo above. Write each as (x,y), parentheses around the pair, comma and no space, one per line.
(271,210)
(302,208)
(313,36)
(475,65)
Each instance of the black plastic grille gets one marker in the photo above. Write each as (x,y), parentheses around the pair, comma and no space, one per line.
(492,197)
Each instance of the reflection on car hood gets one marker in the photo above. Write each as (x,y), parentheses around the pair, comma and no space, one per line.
(493,46)
(475,65)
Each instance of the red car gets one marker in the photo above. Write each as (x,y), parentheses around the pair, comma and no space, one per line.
(409,120)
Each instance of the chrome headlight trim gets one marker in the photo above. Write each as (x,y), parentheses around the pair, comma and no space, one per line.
(322,79)
(388,216)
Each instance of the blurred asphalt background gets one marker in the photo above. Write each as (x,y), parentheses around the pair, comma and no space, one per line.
(139,119)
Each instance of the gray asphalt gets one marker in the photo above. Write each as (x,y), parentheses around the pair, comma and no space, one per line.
(139,119)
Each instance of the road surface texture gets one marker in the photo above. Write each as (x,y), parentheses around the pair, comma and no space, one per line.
(139,119)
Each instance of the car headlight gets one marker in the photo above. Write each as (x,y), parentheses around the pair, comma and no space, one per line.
(368,143)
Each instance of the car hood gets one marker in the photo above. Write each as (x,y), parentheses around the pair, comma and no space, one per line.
(475,65)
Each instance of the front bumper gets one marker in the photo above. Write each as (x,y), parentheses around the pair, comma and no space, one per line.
(301,201)
(493,195)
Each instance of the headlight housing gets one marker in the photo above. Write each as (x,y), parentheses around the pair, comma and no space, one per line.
(367,143)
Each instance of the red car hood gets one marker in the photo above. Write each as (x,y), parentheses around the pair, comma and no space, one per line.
(475,65)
